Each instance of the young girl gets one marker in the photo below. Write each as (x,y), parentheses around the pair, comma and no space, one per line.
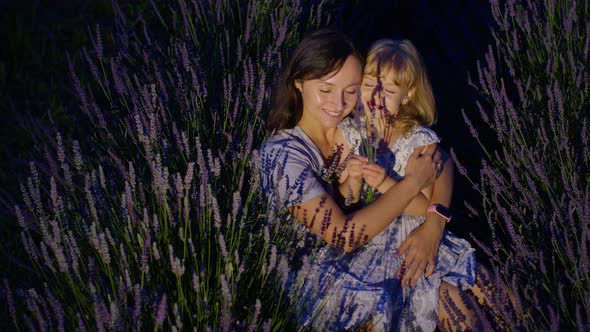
(399,108)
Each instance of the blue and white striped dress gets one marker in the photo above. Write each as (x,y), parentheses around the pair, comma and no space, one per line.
(336,291)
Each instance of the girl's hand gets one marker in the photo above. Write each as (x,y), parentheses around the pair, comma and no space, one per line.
(374,175)
(354,168)
(420,249)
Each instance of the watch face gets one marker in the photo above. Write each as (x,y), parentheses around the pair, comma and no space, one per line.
(443,210)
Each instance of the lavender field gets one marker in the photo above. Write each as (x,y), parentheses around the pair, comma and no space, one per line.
(134,203)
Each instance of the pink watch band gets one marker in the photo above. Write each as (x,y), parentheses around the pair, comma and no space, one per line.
(441,210)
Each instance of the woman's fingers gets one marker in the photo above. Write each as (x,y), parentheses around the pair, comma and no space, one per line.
(422,165)
(427,150)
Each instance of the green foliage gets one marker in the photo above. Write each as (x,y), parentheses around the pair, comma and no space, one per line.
(535,86)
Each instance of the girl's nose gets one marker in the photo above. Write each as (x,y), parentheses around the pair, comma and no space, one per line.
(376,101)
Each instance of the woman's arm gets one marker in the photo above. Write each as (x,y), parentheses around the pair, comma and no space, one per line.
(322,215)
(350,190)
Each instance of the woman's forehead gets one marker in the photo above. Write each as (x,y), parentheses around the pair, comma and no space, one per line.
(349,73)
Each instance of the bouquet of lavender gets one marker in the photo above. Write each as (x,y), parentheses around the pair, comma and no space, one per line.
(366,121)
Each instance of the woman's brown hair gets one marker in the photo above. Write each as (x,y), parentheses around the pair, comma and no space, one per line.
(318,54)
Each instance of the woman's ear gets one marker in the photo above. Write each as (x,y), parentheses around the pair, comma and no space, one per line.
(298,85)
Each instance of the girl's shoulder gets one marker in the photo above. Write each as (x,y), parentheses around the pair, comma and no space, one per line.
(421,135)
(351,130)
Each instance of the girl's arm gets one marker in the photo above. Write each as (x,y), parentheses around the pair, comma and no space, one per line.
(421,246)
(322,215)
(419,203)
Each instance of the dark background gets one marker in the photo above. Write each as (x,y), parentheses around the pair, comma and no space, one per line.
(452,36)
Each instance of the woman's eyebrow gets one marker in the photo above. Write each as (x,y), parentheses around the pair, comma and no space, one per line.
(332,84)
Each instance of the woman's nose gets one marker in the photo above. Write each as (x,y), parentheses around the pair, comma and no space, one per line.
(340,102)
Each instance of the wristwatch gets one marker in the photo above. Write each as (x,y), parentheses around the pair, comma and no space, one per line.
(441,210)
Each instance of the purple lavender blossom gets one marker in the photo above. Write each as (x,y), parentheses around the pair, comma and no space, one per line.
(254,321)
(160,314)
(10,301)
(98,46)
(225,319)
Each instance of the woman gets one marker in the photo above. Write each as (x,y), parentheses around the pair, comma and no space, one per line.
(300,163)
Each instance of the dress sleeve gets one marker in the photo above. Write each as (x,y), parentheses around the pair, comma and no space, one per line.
(287,175)
(350,129)
(422,136)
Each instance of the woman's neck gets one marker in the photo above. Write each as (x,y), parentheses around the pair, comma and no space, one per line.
(323,138)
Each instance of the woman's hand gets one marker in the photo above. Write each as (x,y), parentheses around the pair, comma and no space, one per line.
(422,165)
(420,249)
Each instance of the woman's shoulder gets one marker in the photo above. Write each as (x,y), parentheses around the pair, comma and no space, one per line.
(289,144)
(284,139)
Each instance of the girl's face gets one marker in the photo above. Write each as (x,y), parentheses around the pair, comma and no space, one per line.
(329,99)
(381,96)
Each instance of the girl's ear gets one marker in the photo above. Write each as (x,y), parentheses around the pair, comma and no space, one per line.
(408,96)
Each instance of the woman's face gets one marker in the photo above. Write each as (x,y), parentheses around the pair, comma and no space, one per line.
(329,99)
(380,95)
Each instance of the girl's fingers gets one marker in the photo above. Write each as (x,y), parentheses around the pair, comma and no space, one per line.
(430,268)
(356,162)
(417,273)
(373,167)
(359,158)
(373,174)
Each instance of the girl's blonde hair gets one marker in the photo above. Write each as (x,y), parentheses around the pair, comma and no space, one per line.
(401,60)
